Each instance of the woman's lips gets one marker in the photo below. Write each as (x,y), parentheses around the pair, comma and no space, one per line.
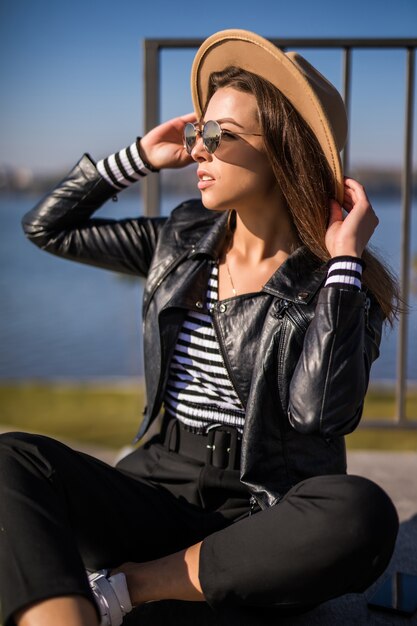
(205,180)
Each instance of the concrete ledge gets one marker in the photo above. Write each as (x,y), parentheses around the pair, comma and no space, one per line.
(396,472)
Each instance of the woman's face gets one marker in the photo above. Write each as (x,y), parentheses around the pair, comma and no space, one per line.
(238,174)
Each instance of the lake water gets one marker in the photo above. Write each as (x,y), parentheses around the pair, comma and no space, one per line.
(66,320)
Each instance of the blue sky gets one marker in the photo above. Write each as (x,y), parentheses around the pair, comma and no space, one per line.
(71,72)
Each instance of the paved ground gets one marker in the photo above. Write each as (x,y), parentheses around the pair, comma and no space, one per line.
(397,474)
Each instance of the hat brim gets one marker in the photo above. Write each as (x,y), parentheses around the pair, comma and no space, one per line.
(252,52)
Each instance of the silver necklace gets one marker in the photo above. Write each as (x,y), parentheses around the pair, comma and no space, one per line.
(230,277)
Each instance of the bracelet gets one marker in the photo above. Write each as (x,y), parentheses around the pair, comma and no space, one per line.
(148,166)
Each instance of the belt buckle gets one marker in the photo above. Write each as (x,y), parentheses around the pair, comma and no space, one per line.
(221,446)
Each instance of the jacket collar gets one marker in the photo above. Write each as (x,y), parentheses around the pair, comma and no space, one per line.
(296,280)
(211,242)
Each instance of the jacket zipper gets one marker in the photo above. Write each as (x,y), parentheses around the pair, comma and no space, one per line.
(282,308)
(253,504)
(367,307)
(283,315)
(298,318)
(281,350)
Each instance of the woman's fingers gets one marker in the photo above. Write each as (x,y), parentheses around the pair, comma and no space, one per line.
(351,234)
(163,145)
(354,194)
(189,117)
(173,128)
(336,213)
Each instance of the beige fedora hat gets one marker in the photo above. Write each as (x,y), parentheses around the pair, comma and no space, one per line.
(311,94)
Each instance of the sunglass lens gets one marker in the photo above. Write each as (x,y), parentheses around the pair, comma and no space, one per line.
(190,135)
(211,136)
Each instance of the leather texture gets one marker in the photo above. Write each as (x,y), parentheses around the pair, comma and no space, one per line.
(298,354)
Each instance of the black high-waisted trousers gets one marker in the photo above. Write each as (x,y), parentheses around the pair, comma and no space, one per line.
(62,511)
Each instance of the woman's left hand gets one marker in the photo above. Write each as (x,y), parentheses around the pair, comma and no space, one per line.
(350,235)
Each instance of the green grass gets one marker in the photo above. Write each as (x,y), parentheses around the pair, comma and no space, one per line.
(109,415)
(380,406)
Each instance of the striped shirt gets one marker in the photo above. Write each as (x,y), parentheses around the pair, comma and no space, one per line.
(199,391)
(123,168)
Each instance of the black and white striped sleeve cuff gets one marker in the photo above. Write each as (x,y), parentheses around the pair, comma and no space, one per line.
(123,168)
(345,272)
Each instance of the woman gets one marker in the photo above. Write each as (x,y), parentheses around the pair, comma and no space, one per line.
(259,334)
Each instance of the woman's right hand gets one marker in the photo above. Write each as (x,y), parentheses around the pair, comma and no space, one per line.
(163,145)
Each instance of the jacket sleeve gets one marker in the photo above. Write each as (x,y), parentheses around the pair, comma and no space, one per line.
(331,377)
(61,223)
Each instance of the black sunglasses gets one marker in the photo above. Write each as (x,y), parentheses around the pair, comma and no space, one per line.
(211,134)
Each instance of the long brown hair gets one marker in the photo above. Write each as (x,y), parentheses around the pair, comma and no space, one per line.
(304,176)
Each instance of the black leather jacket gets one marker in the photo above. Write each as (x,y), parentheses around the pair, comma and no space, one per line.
(298,354)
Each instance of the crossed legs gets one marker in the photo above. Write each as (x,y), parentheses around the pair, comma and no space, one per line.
(61,511)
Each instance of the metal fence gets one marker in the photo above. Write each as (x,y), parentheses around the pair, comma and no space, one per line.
(152,49)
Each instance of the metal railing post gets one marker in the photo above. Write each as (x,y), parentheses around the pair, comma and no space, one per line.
(151,119)
(401,385)
(347,73)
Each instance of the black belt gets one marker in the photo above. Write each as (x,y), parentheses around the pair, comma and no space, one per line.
(218,446)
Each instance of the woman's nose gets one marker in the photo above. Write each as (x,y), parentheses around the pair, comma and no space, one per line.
(199,153)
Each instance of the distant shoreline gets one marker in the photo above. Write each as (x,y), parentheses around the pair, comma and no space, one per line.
(126,383)
(378,181)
